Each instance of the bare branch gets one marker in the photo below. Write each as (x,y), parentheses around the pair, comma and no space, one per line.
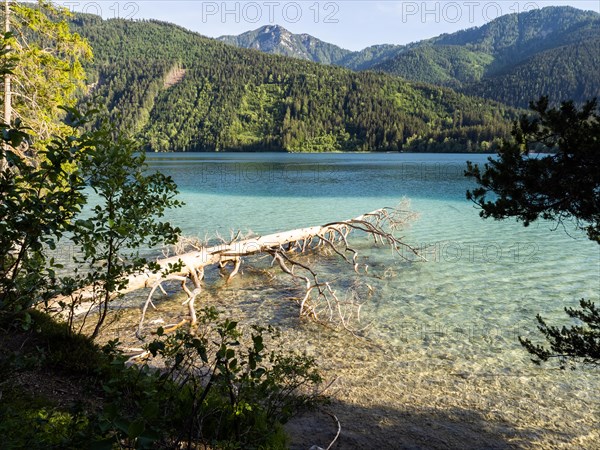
(320,302)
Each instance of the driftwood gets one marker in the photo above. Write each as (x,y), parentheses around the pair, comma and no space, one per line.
(319,302)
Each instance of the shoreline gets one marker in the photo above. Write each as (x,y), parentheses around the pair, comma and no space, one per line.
(332,152)
(388,395)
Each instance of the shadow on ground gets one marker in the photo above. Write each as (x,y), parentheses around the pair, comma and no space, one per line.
(385,428)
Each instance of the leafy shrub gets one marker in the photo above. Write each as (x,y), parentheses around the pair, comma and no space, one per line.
(217,387)
(214,387)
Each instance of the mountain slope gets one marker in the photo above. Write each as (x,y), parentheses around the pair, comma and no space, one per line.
(568,72)
(516,50)
(277,40)
(367,58)
(514,37)
(226,98)
(448,65)
(514,59)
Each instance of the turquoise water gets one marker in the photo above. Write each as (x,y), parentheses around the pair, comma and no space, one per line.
(491,262)
(455,317)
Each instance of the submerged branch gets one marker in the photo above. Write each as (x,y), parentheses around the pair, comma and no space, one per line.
(319,302)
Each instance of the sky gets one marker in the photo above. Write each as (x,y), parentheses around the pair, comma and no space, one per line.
(351,24)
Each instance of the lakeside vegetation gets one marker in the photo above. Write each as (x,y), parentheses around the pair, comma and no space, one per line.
(561,187)
(211,385)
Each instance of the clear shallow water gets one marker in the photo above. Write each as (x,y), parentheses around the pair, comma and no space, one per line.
(453,320)
(490,262)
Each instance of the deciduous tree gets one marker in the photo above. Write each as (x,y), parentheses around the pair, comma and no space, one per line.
(46,66)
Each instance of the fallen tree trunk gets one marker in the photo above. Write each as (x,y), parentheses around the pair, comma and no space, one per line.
(379,224)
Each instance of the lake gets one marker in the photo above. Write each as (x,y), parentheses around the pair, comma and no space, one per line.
(442,348)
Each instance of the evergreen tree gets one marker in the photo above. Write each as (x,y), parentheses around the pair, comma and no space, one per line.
(564,185)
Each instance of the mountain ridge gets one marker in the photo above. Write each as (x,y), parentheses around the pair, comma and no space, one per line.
(473,59)
(275,39)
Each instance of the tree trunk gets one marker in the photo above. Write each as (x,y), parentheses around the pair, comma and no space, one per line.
(282,246)
(7,88)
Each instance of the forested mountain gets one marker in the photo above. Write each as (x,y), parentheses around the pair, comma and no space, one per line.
(448,65)
(513,59)
(514,37)
(567,72)
(279,41)
(184,92)
(518,57)
(369,57)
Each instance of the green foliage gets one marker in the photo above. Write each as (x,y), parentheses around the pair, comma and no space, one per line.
(47,344)
(34,343)
(236,391)
(235,99)
(515,37)
(43,202)
(43,49)
(39,202)
(33,422)
(576,343)
(550,51)
(41,186)
(441,64)
(248,391)
(370,57)
(559,186)
(215,387)
(124,214)
(56,347)
(569,71)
